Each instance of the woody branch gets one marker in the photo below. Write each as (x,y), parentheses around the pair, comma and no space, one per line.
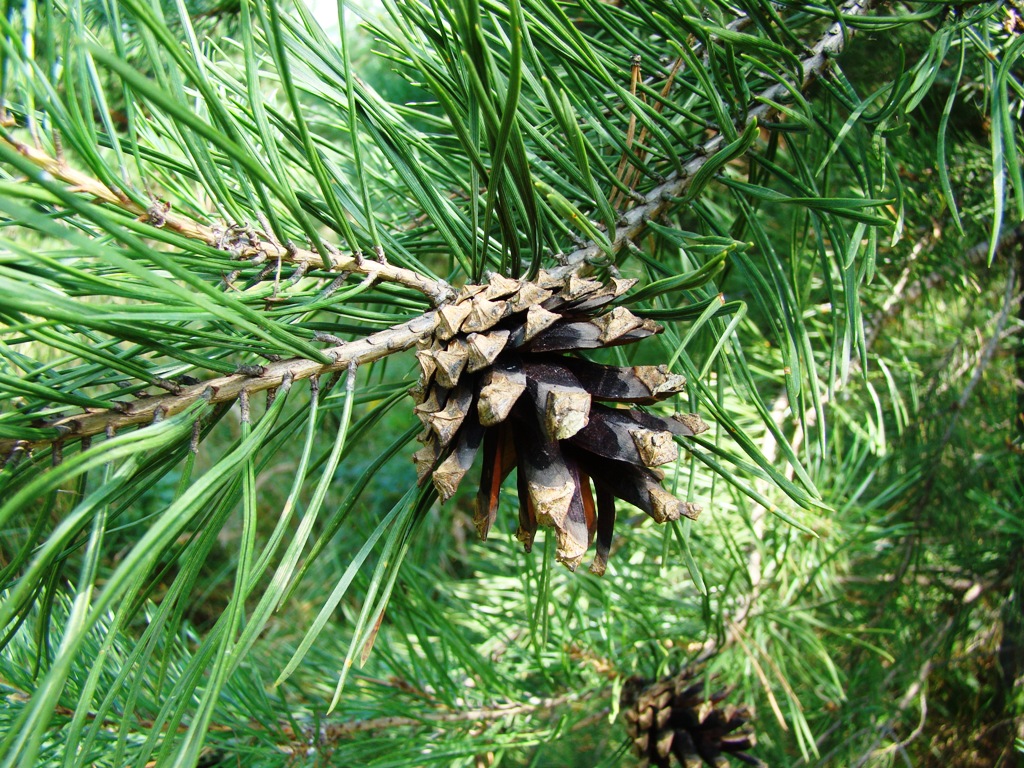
(659,199)
(229,388)
(406,335)
(263,248)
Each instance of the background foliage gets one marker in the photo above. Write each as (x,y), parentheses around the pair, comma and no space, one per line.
(183,190)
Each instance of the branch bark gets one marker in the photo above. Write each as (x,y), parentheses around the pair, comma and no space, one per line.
(228,388)
(658,200)
(334,732)
(262,248)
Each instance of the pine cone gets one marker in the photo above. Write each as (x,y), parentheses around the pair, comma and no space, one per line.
(672,717)
(496,342)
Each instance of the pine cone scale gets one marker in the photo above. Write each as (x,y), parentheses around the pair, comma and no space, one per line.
(672,718)
(500,340)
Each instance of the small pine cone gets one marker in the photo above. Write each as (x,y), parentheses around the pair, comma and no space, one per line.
(501,376)
(673,718)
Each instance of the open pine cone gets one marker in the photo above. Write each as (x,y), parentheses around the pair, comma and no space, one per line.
(496,343)
(672,717)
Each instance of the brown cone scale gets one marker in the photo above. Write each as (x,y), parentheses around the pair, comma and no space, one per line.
(502,379)
(673,722)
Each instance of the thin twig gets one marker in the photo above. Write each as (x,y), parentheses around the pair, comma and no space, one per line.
(261,248)
(627,172)
(915,688)
(229,388)
(903,294)
(331,733)
(658,200)
(986,355)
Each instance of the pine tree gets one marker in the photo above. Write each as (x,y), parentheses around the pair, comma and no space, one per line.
(327,358)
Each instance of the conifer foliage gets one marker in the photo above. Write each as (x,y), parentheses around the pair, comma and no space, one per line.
(624,255)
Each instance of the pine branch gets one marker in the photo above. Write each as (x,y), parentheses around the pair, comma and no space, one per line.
(406,335)
(904,292)
(660,199)
(345,730)
(64,377)
(228,388)
(976,255)
(258,249)
(301,731)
